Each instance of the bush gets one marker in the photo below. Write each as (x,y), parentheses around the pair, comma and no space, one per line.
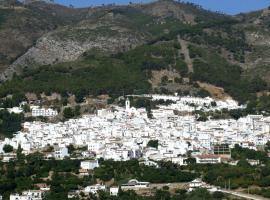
(153,143)
(7,148)
(68,113)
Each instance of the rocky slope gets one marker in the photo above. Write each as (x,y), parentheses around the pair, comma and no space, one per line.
(22,25)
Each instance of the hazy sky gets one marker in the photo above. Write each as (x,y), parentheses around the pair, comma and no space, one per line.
(226,6)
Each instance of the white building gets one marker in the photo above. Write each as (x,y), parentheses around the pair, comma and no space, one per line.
(43,112)
(122,133)
(134,184)
(114,191)
(16,110)
(196,183)
(93,189)
(127,104)
(208,159)
(61,152)
(19,197)
(28,195)
(89,164)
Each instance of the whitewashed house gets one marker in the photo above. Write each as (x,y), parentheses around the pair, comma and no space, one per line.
(208,159)
(134,184)
(93,189)
(43,112)
(114,191)
(89,164)
(28,195)
(60,152)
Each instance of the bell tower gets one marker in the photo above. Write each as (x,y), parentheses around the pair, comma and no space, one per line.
(127,104)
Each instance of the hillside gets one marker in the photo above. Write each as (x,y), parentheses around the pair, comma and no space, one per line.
(165,46)
(22,25)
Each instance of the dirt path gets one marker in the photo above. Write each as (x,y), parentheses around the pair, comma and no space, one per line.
(184,50)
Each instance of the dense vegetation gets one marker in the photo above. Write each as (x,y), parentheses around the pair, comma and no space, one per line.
(70,112)
(241,175)
(260,105)
(27,171)
(153,143)
(123,171)
(265,192)
(212,68)
(99,74)
(10,123)
(3,15)
(104,76)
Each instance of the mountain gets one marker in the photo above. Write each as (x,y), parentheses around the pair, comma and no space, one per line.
(164,46)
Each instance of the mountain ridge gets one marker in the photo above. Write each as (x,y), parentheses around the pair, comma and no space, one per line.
(212,43)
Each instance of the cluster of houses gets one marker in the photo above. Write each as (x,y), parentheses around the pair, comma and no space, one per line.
(190,104)
(36,111)
(132,184)
(121,134)
(30,195)
(43,112)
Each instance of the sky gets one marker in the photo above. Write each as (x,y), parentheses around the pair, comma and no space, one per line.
(226,6)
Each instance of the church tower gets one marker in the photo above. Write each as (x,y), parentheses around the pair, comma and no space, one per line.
(127,104)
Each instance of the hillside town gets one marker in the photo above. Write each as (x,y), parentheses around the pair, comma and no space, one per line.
(172,132)
(121,134)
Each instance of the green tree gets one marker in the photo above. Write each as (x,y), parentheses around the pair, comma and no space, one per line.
(68,113)
(20,155)
(7,148)
(153,143)
(77,110)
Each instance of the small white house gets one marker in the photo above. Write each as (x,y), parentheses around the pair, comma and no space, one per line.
(73,194)
(114,191)
(61,152)
(89,164)
(208,159)
(28,195)
(253,162)
(93,189)
(9,157)
(36,112)
(18,197)
(16,110)
(34,194)
(196,183)
(134,184)
(179,160)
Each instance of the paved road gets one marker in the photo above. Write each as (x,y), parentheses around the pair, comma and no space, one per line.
(244,195)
